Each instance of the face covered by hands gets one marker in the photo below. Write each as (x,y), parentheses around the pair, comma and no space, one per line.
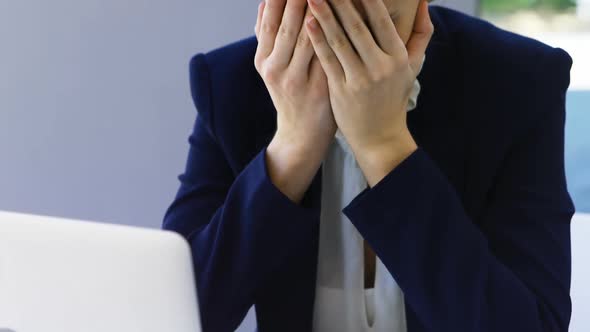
(370,72)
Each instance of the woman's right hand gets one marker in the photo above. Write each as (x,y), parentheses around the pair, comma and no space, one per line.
(286,61)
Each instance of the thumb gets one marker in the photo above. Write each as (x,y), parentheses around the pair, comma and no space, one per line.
(421,34)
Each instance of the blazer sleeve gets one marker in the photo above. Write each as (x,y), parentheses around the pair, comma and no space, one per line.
(509,271)
(240,228)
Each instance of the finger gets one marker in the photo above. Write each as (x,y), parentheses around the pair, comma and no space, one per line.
(303,50)
(356,29)
(316,72)
(418,42)
(335,38)
(328,59)
(259,19)
(271,20)
(382,26)
(288,31)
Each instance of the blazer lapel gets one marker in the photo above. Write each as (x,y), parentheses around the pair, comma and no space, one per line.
(437,123)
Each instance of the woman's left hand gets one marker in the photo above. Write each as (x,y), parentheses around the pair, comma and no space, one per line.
(370,75)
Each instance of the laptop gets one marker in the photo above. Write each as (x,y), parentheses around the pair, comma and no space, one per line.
(59,275)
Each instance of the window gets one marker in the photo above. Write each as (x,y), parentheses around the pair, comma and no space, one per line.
(565,24)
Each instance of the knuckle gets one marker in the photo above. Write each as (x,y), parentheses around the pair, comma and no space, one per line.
(338,3)
(379,77)
(270,74)
(328,57)
(268,27)
(383,22)
(401,59)
(387,66)
(326,15)
(297,4)
(359,84)
(303,41)
(382,72)
(285,32)
(357,27)
(292,83)
(337,42)
(257,62)
(273,4)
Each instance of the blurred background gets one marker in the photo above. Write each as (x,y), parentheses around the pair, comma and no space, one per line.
(565,24)
(95,107)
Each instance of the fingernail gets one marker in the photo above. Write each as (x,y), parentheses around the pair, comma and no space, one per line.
(318,2)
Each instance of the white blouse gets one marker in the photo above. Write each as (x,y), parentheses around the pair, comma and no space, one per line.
(342,304)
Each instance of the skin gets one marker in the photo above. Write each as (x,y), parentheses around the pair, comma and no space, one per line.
(347,64)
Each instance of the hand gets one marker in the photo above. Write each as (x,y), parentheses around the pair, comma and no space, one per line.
(370,76)
(293,75)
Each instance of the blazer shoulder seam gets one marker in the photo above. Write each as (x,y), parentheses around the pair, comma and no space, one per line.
(201,69)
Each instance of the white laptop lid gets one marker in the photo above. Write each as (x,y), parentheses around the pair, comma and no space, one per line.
(60,275)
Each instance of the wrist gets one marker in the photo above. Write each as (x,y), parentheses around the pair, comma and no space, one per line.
(292,166)
(301,149)
(378,160)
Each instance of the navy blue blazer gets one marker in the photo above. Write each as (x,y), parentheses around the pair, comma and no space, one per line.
(474,225)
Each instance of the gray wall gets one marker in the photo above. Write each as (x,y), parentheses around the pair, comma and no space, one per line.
(94,101)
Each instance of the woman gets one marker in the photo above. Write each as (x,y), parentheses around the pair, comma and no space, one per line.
(378,165)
